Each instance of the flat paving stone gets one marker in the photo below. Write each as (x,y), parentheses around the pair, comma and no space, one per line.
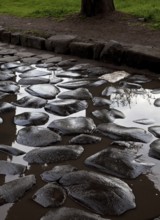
(46,56)
(22,69)
(8,52)
(6,75)
(12,191)
(10,65)
(50,195)
(25,54)
(31,60)
(53,60)
(8,59)
(34,136)
(6,107)
(54,154)
(31,118)
(33,81)
(45,91)
(30,102)
(34,73)
(8,168)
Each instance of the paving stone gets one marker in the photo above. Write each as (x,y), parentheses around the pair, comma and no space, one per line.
(25,54)
(66,63)
(31,60)
(2,45)
(44,65)
(8,52)
(46,56)
(35,73)
(22,69)
(10,46)
(10,65)
(53,60)
(8,59)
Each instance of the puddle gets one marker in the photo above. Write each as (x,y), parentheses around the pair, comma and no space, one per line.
(135,106)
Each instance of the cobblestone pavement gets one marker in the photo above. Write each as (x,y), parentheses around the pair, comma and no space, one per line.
(87,130)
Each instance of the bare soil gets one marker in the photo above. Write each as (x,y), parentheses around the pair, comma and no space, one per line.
(116,26)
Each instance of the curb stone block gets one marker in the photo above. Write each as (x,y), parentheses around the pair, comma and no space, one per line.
(82,49)
(6,37)
(1,31)
(97,50)
(142,57)
(36,42)
(23,40)
(15,38)
(60,43)
(48,45)
(113,52)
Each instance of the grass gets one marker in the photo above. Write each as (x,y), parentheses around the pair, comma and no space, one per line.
(147,9)
(39,8)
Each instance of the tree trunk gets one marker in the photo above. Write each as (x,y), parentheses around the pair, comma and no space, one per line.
(94,7)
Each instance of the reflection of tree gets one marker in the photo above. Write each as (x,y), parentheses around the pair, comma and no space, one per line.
(128,97)
(7,130)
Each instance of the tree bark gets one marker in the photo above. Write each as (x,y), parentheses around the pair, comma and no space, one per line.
(93,7)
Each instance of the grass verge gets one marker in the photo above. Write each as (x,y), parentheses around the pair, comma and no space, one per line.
(147,9)
(39,8)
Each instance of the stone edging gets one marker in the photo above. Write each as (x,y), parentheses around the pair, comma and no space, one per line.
(142,57)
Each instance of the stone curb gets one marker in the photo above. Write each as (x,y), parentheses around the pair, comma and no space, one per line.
(136,56)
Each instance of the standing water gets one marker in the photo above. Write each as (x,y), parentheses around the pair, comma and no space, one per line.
(47,105)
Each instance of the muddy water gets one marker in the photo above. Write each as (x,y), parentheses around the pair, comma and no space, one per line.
(146,188)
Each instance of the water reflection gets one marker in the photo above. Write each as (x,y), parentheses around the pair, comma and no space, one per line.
(135,107)
(7,137)
(131,97)
(139,106)
(4,210)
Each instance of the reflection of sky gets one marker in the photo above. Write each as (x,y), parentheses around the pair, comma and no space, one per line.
(139,107)
(4,210)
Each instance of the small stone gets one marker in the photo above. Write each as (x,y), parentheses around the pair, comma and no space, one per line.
(53,60)
(115,76)
(50,195)
(31,60)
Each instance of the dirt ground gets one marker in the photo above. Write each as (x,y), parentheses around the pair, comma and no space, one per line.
(117,26)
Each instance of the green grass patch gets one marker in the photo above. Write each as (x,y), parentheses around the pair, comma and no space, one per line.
(39,8)
(148,9)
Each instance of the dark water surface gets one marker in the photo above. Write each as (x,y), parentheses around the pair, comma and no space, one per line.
(146,188)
